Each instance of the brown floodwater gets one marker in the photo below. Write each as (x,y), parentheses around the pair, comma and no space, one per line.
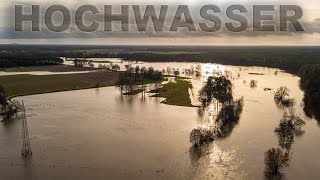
(99,134)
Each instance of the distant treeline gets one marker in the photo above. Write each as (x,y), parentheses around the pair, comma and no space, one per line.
(23,60)
(290,59)
(288,63)
(227,59)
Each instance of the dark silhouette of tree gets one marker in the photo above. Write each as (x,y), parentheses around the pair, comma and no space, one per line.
(312,106)
(128,80)
(201,136)
(282,93)
(137,72)
(289,127)
(176,72)
(275,160)
(228,118)
(310,83)
(218,87)
(127,66)
(115,67)
(281,97)
(82,63)
(253,83)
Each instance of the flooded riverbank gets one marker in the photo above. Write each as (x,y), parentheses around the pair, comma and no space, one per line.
(97,133)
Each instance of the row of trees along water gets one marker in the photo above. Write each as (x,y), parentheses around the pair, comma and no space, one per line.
(218,90)
(16,60)
(193,70)
(134,76)
(90,63)
(276,159)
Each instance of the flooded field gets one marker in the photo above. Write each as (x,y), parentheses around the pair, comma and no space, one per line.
(99,134)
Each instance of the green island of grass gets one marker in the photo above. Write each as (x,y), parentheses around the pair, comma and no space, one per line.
(176,93)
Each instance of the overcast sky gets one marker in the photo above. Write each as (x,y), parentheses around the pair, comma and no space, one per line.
(310,21)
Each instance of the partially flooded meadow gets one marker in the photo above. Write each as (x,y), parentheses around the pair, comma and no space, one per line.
(101,134)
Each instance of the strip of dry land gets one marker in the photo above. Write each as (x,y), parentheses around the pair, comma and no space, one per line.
(26,84)
(50,68)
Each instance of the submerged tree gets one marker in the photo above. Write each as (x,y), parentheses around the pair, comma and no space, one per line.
(201,136)
(275,160)
(122,81)
(228,117)
(281,97)
(129,79)
(282,93)
(115,67)
(253,83)
(82,63)
(218,87)
(289,127)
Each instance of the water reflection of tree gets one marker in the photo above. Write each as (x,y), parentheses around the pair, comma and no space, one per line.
(196,152)
(285,105)
(289,127)
(277,159)
(225,121)
(143,98)
(228,118)
(201,136)
(219,88)
(208,113)
(282,99)
(200,160)
(217,91)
